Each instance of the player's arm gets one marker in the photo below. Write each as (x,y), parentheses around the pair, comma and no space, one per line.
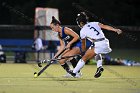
(62,46)
(75,36)
(83,39)
(107,27)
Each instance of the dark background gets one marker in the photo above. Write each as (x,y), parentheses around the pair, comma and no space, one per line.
(116,12)
(124,12)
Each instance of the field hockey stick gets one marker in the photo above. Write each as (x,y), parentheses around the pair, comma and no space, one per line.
(51,62)
(46,61)
(44,68)
(124,33)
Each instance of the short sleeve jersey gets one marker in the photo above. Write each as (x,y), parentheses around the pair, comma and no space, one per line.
(92,30)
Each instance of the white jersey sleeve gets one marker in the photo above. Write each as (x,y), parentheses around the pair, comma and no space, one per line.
(91,30)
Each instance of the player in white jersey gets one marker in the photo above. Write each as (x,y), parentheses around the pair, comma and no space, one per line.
(93,32)
(100,44)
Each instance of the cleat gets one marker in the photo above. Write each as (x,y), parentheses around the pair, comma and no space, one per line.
(99,72)
(71,72)
(67,75)
(78,75)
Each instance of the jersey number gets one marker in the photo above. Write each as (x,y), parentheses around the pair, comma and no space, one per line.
(95,30)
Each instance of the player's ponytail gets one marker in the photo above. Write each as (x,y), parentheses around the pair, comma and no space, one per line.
(55,21)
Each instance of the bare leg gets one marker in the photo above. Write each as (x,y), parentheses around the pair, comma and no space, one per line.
(88,55)
(71,52)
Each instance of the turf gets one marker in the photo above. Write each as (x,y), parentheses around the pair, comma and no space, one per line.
(18,78)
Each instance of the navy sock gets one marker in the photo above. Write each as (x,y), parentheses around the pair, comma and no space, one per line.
(66,67)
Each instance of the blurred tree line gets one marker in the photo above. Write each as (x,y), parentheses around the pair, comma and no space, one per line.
(116,12)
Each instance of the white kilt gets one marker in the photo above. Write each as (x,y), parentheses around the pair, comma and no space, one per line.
(102,47)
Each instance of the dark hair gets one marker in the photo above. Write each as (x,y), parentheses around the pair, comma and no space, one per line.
(82,17)
(55,21)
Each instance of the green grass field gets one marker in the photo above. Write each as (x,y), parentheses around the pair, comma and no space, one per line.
(18,78)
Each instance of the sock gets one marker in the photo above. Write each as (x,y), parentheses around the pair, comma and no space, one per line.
(74,63)
(99,63)
(65,66)
(98,58)
(80,65)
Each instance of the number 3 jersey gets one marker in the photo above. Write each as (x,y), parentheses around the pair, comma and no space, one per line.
(91,30)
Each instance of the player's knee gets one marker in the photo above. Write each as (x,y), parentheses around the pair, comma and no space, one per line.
(84,58)
(61,61)
(98,57)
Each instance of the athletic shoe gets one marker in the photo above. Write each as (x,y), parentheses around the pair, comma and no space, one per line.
(78,75)
(67,75)
(71,72)
(99,72)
